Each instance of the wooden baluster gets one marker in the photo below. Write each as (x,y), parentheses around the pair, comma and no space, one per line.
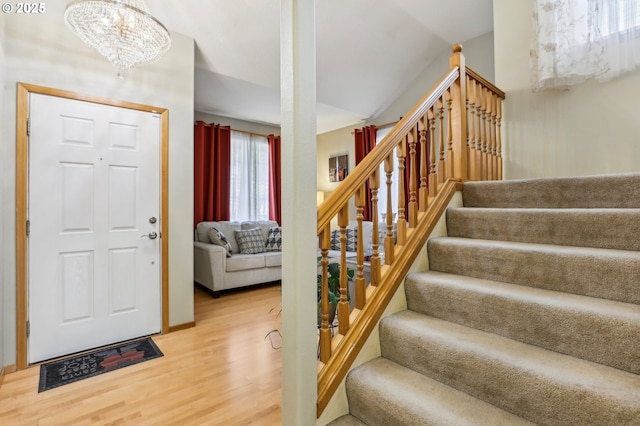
(483,133)
(471,92)
(478,120)
(489,136)
(413,180)
(449,158)
(487,124)
(433,178)
(388,241)
(494,135)
(360,284)
(343,303)
(325,331)
(424,166)
(374,185)
(441,166)
(499,137)
(402,222)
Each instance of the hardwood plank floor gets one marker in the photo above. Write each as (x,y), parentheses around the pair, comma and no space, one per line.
(220,372)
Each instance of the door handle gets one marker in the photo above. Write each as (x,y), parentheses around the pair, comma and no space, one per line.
(151,235)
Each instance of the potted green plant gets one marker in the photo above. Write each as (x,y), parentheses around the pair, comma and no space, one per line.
(333,281)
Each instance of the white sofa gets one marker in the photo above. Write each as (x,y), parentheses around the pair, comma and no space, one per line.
(216,271)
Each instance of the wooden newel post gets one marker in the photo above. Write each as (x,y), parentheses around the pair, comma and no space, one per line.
(459,115)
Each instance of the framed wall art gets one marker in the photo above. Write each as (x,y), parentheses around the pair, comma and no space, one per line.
(338,167)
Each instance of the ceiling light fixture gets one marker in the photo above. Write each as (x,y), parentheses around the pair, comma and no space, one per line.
(123,31)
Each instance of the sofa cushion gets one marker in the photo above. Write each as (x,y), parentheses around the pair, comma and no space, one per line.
(264,226)
(241,262)
(251,241)
(219,239)
(273,258)
(274,239)
(226,227)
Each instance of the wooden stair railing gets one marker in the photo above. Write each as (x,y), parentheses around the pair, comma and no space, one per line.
(450,136)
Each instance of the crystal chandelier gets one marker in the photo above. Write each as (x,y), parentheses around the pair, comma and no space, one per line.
(123,31)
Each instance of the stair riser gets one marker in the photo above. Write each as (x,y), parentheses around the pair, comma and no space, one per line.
(619,191)
(613,229)
(514,380)
(591,329)
(384,393)
(613,276)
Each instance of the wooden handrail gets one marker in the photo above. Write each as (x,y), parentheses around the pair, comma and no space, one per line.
(486,83)
(347,188)
(450,136)
(338,365)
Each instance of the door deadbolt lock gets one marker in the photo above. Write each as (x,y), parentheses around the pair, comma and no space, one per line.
(151,235)
(152,219)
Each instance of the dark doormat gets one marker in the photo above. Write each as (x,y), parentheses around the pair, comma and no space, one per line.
(81,366)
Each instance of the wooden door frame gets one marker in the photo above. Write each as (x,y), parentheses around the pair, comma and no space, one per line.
(22,180)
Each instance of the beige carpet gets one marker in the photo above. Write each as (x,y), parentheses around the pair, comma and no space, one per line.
(530,313)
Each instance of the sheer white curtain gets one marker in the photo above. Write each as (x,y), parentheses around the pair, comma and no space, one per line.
(249,198)
(382,192)
(575,40)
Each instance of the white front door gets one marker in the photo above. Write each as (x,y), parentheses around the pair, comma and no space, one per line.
(94,225)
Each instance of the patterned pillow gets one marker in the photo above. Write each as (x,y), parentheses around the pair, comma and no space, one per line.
(352,239)
(219,239)
(274,239)
(250,241)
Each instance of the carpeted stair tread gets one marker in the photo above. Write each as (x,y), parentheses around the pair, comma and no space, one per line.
(608,191)
(606,273)
(589,328)
(346,420)
(382,392)
(542,386)
(603,228)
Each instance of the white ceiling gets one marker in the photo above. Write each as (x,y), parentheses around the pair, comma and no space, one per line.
(368,52)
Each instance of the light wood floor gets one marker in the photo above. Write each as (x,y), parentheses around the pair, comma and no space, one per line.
(221,372)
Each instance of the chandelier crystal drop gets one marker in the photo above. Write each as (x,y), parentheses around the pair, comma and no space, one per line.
(123,31)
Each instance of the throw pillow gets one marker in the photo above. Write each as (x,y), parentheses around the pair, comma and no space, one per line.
(274,239)
(250,241)
(352,239)
(264,226)
(219,239)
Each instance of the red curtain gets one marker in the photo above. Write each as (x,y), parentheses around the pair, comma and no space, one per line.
(212,178)
(365,141)
(275,187)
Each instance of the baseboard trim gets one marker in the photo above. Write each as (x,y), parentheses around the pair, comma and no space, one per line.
(11,368)
(184,326)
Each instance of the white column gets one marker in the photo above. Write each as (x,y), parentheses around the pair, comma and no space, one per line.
(299,217)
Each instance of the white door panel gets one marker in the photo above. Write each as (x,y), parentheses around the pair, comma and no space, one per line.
(94,182)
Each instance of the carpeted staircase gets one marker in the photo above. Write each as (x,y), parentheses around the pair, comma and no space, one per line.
(530,313)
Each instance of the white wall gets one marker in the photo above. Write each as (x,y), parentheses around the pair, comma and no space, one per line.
(592,128)
(40,50)
(245,126)
(3,311)
(478,53)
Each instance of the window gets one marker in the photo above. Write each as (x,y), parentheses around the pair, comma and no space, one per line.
(576,40)
(249,194)
(618,16)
